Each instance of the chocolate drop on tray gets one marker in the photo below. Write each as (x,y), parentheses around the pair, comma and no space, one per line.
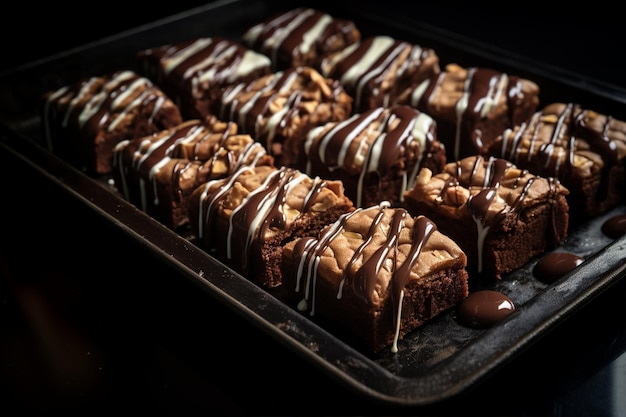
(615,226)
(484,308)
(554,265)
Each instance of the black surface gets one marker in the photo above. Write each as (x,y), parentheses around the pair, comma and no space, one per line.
(107,326)
(51,28)
(83,335)
(103,327)
(587,39)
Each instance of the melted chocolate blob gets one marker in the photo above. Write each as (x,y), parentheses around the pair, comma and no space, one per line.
(484,308)
(615,226)
(554,265)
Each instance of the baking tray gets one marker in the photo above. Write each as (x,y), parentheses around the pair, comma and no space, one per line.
(435,362)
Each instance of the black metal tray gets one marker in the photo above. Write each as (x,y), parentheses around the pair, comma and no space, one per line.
(437,361)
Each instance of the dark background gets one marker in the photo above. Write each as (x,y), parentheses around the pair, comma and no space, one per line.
(53,27)
(154,351)
(589,40)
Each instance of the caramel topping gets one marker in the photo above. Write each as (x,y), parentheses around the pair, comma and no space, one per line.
(215,60)
(378,63)
(564,140)
(372,141)
(300,37)
(374,252)
(98,102)
(221,154)
(284,103)
(465,96)
(485,189)
(259,203)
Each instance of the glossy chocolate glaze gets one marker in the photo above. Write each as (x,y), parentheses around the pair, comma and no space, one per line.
(364,280)
(362,69)
(147,154)
(190,143)
(256,109)
(262,212)
(553,266)
(496,189)
(216,60)
(283,105)
(371,142)
(212,192)
(615,226)
(484,308)
(107,97)
(548,143)
(84,121)
(301,36)
(193,72)
(100,101)
(483,90)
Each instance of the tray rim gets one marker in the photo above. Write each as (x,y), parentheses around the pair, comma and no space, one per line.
(301,334)
(359,372)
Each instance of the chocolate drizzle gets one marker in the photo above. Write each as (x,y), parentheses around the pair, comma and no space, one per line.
(260,210)
(422,230)
(298,37)
(190,144)
(212,193)
(365,280)
(273,104)
(483,90)
(123,93)
(484,179)
(371,142)
(286,29)
(362,68)
(555,154)
(260,213)
(480,202)
(216,59)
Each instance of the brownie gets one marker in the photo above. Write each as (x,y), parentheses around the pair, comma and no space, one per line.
(246,218)
(280,108)
(500,215)
(585,149)
(84,121)
(472,106)
(376,154)
(375,274)
(300,37)
(376,70)
(193,72)
(159,172)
